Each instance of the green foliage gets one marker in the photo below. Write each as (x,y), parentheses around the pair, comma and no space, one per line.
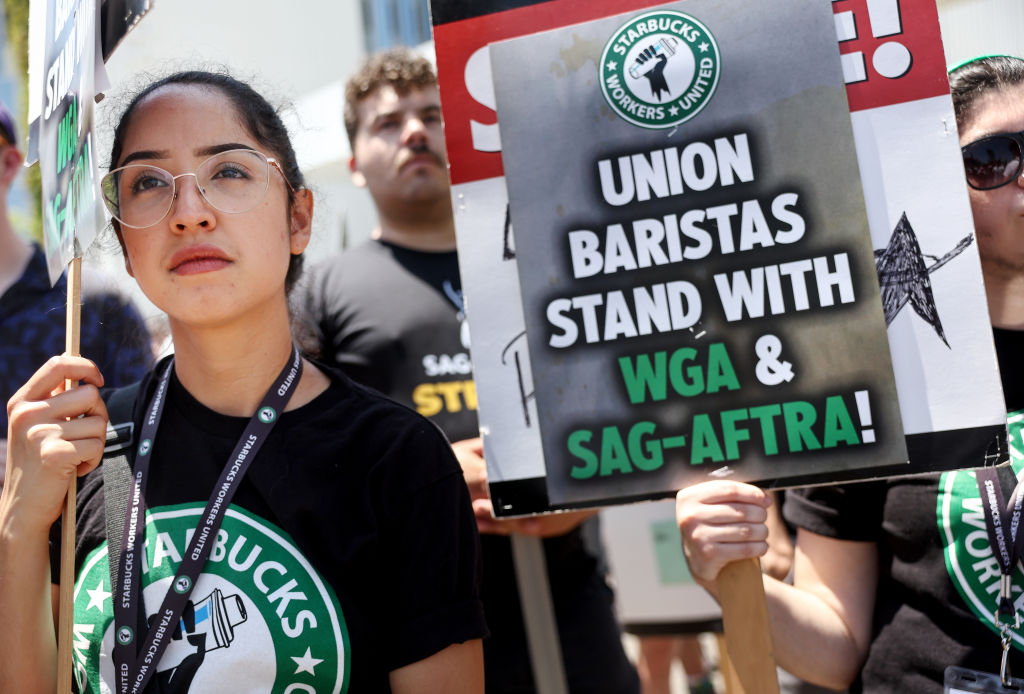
(17,38)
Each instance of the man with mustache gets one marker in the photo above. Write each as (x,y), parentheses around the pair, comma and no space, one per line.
(389,313)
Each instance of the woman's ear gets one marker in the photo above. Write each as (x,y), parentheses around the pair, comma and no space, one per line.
(301,220)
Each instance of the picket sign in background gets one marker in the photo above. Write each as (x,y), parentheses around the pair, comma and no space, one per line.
(899,123)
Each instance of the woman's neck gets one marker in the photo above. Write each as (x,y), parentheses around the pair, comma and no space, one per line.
(1004,288)
(230,368)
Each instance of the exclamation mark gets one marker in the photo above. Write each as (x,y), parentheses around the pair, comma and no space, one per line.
(891,59)
(864,410)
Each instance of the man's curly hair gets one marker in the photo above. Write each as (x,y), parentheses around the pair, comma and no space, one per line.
(400,68)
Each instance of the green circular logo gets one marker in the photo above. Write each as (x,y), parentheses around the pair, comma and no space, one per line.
(267,415)
(145,446)
(182,584)
(265,618)
(970,562)
(660,69)
(125,636)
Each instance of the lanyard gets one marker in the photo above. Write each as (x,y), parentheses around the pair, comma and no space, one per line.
(1002,521)
(134,666)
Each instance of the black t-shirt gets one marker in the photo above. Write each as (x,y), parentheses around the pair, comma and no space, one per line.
(938,577)
(392,318)
(1009,349)
(349,550)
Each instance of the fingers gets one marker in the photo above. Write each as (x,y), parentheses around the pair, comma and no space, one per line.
(553,524)
(722,491)
(51,376)
(486,523)
(66,408)
(53,437)
(721,522)
(473,446)
(87,436)
(470,454)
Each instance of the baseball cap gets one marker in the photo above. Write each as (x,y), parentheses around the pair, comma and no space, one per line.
(7,130)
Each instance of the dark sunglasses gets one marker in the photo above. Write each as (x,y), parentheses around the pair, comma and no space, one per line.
(993,161)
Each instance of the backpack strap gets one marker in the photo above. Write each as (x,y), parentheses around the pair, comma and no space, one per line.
(117,469)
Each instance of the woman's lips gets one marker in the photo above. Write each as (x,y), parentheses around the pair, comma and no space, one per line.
(198,259)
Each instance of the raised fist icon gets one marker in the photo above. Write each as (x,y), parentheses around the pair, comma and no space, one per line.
(650,63)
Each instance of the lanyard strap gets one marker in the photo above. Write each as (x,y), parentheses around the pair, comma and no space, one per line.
(1002,521)
(135,666)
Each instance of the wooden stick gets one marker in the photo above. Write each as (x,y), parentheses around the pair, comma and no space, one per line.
(66,621)
(728,672)
(748,635)
(538,615)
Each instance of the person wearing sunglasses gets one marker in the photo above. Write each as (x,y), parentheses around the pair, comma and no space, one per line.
(886,573)
(280,528)
(32,312)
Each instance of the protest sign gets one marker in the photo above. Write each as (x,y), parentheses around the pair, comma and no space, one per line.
(71,209)
(703,302)
(932,299)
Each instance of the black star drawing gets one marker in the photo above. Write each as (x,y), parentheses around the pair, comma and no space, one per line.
(903,275)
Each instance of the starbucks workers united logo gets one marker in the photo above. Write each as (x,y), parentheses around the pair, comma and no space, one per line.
(970,561)
(260,617)
(660,69)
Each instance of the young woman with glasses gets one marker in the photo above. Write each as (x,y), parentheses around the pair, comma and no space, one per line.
(883,599)
(282,528)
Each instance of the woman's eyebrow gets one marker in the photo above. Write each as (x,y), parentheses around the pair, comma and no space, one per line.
(217,149)
(145,154)
(201,152)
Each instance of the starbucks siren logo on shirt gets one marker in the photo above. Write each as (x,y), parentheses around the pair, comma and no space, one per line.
(660,69)
(970,562)
(260,617)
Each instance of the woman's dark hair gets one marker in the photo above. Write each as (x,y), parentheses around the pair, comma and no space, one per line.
(257,115)
(971,80)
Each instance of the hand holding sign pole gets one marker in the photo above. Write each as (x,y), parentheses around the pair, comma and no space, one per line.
(71,212)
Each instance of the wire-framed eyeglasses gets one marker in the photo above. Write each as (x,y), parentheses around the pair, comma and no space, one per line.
(235,181)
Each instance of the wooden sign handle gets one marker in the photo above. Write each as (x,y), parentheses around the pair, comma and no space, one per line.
(66,620)
(748,637)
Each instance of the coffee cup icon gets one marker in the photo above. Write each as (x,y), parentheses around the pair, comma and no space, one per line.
(217,615)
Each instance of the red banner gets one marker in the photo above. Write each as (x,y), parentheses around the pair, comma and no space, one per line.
(891,54)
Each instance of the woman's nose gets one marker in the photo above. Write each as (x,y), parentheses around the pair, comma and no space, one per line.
(190,209)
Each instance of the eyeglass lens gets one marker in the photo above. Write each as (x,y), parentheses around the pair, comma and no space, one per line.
(140,195)
(993,161)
